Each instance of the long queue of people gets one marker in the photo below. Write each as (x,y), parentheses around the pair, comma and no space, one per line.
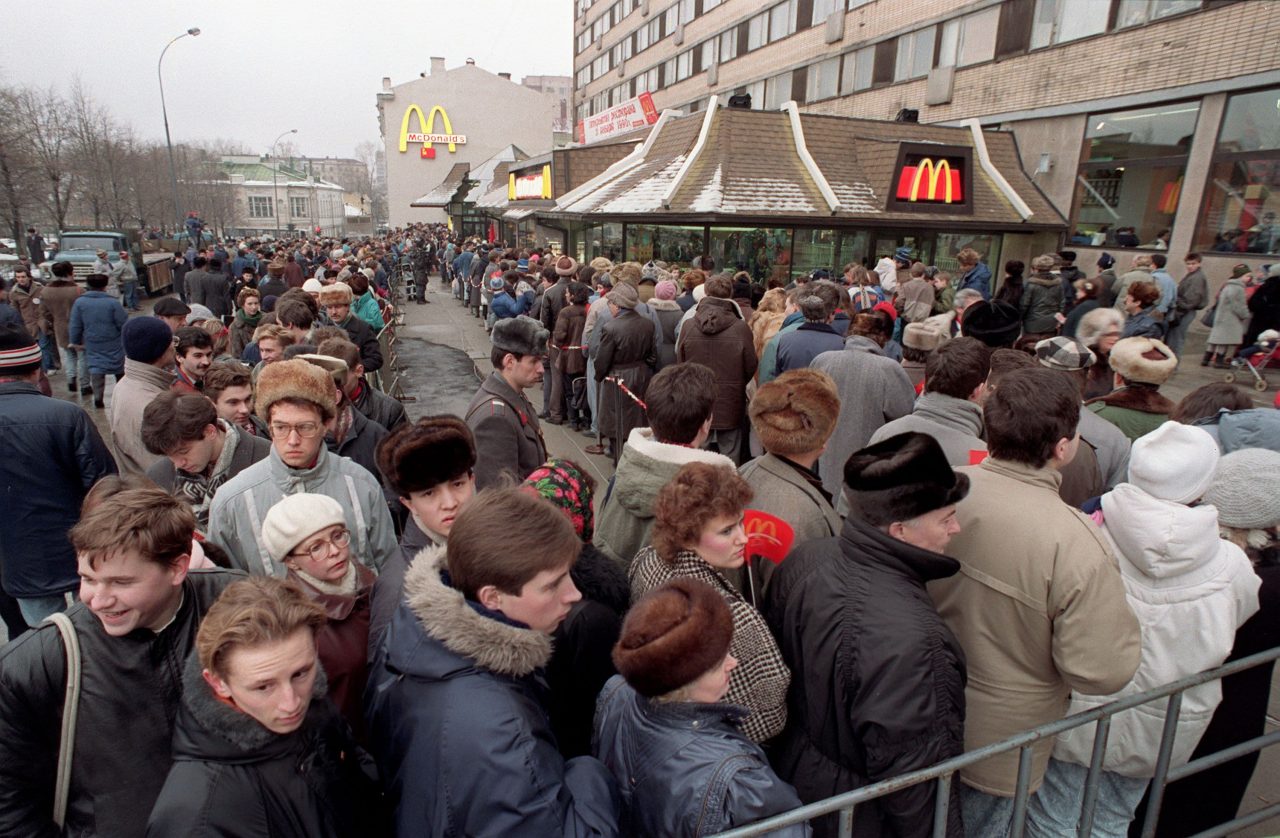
(296,618)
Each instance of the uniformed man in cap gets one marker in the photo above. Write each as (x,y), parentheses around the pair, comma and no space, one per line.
(505,424)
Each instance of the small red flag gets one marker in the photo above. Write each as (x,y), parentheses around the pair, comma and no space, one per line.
(768,536)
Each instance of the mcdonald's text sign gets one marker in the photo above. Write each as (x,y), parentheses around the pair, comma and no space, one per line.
(426,133)
(932,179)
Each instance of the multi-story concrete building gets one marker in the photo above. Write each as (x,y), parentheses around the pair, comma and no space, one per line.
(560,87)
(270,199)
(451,116)
(1152,125)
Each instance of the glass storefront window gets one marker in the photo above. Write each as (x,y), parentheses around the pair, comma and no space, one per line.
(815,249)
(602,240)
(1130,180)
(677,246)
(763,252)
(1242,197)
(947,245)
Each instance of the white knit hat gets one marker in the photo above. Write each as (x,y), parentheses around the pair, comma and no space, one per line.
(1246,489)
(1175,462)
(313,286)
(296,518)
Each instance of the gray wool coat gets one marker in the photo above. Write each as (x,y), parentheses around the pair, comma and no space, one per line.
(955,423)
(781,490)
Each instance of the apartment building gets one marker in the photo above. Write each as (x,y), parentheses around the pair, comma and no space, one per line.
(1151,125)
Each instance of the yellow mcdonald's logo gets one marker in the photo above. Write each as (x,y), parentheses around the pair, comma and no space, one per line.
(426,128)
(763,529)
(941,169)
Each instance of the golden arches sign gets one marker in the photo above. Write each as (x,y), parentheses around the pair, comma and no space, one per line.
(941,182)
(426,128)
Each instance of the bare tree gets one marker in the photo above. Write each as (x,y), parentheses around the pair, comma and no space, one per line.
(16,169)
(46,117)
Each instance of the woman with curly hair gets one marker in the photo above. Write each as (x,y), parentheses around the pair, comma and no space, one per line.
(698,533)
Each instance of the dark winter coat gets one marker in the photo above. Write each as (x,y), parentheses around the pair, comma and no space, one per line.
(508,436)
(97,320)
(360,445)
(1265,305)
(1041,300)
(249,450)
(211,290)
(1142,325)
(361,334)
(51,454)
(684,768)
(58,297)
(131,687)
(581,660)
(627,351)
(568,333)
(388,590)
(718,338)
(457,720)
(798,349)
(377,406)
(879,678)
(553,303)
(233,778)
(667,314)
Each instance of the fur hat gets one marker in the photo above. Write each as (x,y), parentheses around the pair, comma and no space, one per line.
(601,264)
(672,636)
(275,268)
(624,296)
(1246,489)
(1097,323)
(294,379)
(146,338)
(1143,360)
(520,335)
(628,272)
(923,336)
(313,286)
(566,266)
(19,352)
(995,323)
(337,294)
(1175,462)
(901,478)
(294,519)
(796,412)
(429,452)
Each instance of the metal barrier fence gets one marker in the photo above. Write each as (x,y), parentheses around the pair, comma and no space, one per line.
(388,379)
(944,772)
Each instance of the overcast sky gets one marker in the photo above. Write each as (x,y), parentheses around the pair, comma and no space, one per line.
(260,67)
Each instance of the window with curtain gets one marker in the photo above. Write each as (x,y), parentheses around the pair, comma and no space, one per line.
(822,9)
(728,45)
(758,31)
(915,54)
(823,80)
(1059,21)
(782,20)
(708,56)
(777,91)
(1130,181)
(970,39)
(1138,12)
(1242,198)
(856,74)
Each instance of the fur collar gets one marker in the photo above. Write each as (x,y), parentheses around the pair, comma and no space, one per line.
(664,305)
(1142,399)
(446,616)
(642,441)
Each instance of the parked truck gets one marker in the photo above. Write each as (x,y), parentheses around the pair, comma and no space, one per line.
(80,247)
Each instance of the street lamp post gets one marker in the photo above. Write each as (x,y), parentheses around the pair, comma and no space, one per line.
(275,176)
(173,169)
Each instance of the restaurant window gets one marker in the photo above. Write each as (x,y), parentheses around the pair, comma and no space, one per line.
(777,91)
(947,245)
(260,207)
(728,45)
(782,20)
(915,54)
(1130,180)
(815,249)
(602,240)
(1138,12)
(823,81)
(970,39)
(677,246)
(856,74)
(1242,197)
(763,252)
(822,10)
(1059,21)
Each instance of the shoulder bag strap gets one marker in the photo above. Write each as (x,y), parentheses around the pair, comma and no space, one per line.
(70,709)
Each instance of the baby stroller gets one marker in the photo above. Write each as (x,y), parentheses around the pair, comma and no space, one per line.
(1254,360)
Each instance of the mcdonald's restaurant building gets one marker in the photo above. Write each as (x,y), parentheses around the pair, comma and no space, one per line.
(454,116)
(782,193)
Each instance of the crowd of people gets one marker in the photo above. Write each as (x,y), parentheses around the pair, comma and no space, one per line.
(857,525)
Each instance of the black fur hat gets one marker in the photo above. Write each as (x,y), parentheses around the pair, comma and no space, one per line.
(431,451)
(901,478)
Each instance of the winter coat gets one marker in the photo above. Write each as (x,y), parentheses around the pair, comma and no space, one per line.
(769,355)
(794,494)
(915,300)
(140,385)
(719,338)
(1142,325)
(503,305)
(955,423)
(457,720)
(667,314)
(628,350)
(624,517)
(879,679)
(684,768)
(873,390)
(978,278)
(233,777)
(1078,311)
(582,646)
(360,444)
(241,332)
(798,349)
(235,516)
(378,407)
(553,302)
(508,436)
(246,450)
(1121,288)
(50,456)
(1041,300)
(1190,591)
(388,589)
(363,336)
(1136,410)
(1193,294)
(1264,304)
(568,333)
(1110,445)
(210,290)
(35,317)
(366,308)
(131,687)
(759,682)
(1039,609)
(96,322)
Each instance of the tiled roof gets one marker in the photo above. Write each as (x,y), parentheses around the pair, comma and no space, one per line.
(442,194)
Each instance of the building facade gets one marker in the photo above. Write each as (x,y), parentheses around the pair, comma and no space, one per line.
(561,87)
(450,116)
(273,199)
(1138,120)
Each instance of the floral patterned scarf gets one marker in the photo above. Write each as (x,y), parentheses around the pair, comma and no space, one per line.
(563,483)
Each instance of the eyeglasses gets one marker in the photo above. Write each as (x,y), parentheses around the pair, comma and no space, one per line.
(305,430)
(320,549)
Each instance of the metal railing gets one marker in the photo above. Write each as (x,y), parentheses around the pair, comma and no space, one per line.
(944,772)
(388,379)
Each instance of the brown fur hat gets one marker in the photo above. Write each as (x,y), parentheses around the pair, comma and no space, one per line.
(628,272)
(1143,360)
(338,294)
(295,379)
(431,451)
(796,412)
(673,635)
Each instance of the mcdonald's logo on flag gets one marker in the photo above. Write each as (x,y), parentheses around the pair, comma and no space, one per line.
(425,133)
(768,536)
(931,180)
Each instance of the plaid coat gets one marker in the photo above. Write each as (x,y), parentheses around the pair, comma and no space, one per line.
(760,680)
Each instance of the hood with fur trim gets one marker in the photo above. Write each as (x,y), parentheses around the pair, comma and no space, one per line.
(646,465)
(462,631)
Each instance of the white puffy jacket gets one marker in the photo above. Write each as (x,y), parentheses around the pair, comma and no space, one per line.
(1190,591)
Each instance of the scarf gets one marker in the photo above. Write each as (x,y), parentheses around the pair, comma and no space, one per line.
(344,587)
(563,483)
(343,426)
(244,319)
(199,490)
